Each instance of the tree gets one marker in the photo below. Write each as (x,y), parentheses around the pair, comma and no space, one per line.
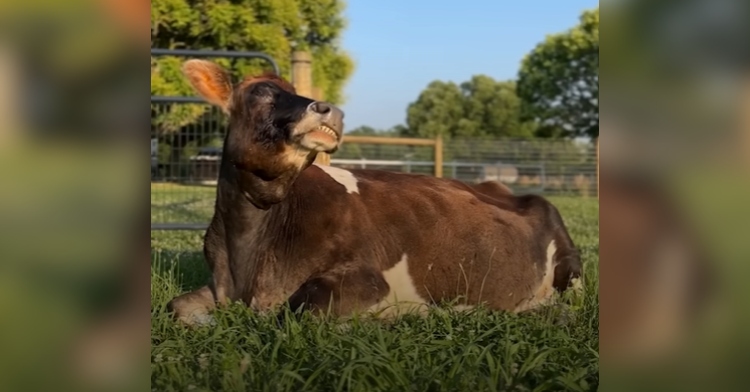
(437,111)
(559,81)
(476,108)
(493,109)
(275,27)
(364,131)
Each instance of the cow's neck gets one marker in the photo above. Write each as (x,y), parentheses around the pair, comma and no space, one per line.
(248,225)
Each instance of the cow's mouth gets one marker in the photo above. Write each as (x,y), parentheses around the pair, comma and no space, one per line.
(321,138)
(324,130)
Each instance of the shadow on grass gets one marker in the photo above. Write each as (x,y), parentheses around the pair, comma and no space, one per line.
(187,270)
(181,212)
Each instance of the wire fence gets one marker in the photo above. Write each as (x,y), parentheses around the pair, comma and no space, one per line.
(542,166)
(186,154)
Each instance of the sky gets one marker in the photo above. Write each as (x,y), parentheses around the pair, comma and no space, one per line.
(400,46)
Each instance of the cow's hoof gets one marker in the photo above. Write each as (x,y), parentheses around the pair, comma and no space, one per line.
(199,320)
(190,314)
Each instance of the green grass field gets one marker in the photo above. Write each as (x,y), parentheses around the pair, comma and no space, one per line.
(551,350)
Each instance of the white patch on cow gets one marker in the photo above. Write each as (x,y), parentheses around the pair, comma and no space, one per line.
(545,291)
(343,177)
(551,250)
(403,295)
(463,308)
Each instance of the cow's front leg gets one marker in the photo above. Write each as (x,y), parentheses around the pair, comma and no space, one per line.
(215,251)
(194,308)
(341,292)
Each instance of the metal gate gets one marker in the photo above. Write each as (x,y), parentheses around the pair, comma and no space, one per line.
(184,161)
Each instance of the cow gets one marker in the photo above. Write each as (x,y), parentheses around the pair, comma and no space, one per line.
(288,232)
(661,278)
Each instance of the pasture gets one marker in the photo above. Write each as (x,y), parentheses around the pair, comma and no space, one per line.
(552,349)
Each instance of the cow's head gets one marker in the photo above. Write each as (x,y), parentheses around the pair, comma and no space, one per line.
(274,133)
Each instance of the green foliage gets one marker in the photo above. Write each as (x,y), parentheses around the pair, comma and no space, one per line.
(370,131)
(275,27)
(552,350)
(559,81)
(479,107)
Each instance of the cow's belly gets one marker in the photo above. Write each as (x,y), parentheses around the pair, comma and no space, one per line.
(274,286)
(469,275)
(403,296)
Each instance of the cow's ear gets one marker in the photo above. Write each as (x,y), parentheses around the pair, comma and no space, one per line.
(211,81)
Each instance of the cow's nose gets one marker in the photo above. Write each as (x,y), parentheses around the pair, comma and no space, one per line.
(321,107)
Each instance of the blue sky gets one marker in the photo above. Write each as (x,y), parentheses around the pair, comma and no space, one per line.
(400,46)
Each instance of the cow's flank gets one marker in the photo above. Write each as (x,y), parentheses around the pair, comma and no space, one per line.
(320,238)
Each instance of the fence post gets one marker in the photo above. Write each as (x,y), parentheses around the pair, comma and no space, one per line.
(597,167)
(317,94)
(303,83)
(302,73)
(439,156)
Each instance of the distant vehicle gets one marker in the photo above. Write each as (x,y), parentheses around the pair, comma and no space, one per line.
(207,154)
(205,165)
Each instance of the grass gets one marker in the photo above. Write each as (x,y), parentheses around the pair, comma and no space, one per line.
(550,350)
(173,203)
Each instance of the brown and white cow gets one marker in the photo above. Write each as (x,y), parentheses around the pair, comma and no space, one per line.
(286,231)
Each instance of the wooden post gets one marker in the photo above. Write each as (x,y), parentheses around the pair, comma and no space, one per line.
(302,73)
(303,83)
(323,159)
(597,167)
(317,94)
(439,156)
(392,141)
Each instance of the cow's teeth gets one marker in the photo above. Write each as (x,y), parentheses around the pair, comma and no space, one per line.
(328,130)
